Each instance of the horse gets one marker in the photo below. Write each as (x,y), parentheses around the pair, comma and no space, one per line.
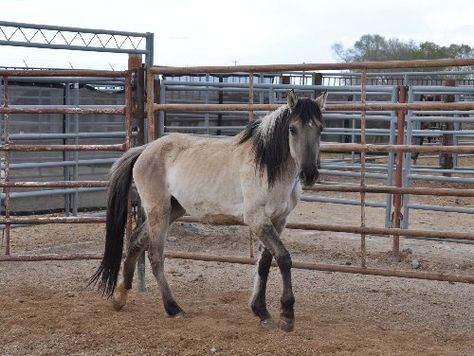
(252,178)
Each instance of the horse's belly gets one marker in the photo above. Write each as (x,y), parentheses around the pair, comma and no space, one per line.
(210,201)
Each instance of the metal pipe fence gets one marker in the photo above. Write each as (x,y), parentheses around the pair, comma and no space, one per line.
(369,103)
(360,111)
(62,187)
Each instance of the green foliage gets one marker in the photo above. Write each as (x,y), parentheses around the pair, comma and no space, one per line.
(378,48)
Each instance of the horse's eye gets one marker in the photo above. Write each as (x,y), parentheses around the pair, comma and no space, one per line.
(292,130)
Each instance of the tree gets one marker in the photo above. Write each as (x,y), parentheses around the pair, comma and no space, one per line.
(377,48)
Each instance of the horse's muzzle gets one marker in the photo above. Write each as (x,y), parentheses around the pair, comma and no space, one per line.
(309,175)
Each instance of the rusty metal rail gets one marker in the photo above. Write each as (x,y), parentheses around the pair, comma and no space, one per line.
(36,148)
(434,63)
(456,192)
(468,105)
(36,109)
(6,110)
(435,276)
(363,148)
(153,107)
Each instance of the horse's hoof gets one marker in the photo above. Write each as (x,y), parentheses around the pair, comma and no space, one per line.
(286,325)
(180,315)
(268,324)
(117,304)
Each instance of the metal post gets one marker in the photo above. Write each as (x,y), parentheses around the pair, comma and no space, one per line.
(206,101)
(150,99)
(135,101)
(397,198)
(446,159)
(407,163)
(363,119)
(390,163)
(161,94)
(66,155)
(251,118)
(6,157)
(75,168)
(220,100)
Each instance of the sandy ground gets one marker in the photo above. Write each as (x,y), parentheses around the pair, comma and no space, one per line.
(46,309)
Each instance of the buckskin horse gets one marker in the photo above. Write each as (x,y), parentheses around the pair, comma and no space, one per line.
(253,178)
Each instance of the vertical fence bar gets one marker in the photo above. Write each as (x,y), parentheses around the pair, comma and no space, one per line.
(135,67)
(405,217)
(363,119)
(446,160)
(391,162)
(251,118)
(128,144)
(251,113)
(75,168)
(66,155)
(397,198)
(6,157)
(150,99)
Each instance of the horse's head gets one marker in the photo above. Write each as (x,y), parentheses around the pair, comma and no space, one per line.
(305,126)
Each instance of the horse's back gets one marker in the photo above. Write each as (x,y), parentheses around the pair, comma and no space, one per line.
(203,175)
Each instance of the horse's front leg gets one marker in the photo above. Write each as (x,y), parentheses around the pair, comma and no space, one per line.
(258,301)
(270,237)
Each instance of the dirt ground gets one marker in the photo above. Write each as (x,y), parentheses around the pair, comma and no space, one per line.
(46,309)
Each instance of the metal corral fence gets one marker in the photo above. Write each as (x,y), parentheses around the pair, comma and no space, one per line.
(10,147)
(65,128)
(355,110)
(435,127)
(397,148)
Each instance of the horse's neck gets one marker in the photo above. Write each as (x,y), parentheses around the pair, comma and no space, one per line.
(291,173)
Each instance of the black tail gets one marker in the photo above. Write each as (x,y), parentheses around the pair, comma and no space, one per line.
(117,201)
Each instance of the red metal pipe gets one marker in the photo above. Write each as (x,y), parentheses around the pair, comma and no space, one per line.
(425,63)
(52,220)
(459,192)
(367,230)
(62,73)
(466,105)
(35,148)
(397,198)
(250,261)
(59,110)
(57,184)
(6,156)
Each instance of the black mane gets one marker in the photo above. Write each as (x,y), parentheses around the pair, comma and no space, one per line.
(273,151)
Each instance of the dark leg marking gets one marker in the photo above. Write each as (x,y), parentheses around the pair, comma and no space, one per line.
(258,302)
(271,239)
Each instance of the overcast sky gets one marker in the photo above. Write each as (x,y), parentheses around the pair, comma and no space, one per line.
(213,32)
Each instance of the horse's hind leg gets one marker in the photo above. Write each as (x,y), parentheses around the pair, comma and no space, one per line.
(138,243)
(159,219)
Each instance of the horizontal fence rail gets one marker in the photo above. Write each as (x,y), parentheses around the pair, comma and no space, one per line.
(395,110)
(329,107)
(250,261)
(386,111)
(7,147)
(435,63)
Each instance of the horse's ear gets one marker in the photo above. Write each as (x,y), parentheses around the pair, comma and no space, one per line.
(321,100)
(291,99)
